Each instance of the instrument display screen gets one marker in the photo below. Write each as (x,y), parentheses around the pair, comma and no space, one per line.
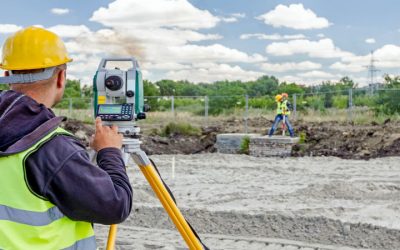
(116,112)
(110,109)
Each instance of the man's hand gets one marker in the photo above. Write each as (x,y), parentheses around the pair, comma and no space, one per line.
(106,137)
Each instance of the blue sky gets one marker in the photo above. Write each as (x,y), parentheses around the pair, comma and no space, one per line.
(208,40)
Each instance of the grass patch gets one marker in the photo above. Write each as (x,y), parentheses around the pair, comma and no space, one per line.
(173,128)
(302,137)
(244,145)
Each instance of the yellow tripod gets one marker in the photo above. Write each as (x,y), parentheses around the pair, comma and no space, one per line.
(132,148)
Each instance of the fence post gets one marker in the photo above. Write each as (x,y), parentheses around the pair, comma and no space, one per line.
(173,107)
(350,110)
(295,106)
(246,114)
(91,107)
(206,108)
(70,108)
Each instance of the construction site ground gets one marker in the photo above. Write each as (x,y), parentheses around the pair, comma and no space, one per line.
(244,202)
(340,191)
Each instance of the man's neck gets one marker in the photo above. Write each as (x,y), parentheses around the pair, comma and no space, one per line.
(41,98)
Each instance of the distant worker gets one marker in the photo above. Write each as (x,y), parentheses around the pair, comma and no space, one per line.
(285,98)
(282,113)
(50,192)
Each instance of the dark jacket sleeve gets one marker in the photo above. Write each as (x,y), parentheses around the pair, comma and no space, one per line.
(61,172)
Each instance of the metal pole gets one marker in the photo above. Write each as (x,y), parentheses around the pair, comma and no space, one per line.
(70,108)
(173,107)
(91,106)
(206,108)
(350,104)
(295,106)
(246,114)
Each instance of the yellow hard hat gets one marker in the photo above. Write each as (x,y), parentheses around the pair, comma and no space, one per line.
(278,98)
(33,48)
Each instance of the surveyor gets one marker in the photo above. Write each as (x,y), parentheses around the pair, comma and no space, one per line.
(286,103)
(50,192)
(282,113)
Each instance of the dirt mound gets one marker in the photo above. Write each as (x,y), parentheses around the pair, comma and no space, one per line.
(344,140)
(81,130)
(180,144)
(348,140)
(155,144)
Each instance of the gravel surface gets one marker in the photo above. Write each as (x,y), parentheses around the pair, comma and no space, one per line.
(242,202)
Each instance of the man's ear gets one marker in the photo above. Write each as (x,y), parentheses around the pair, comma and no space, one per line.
(61,78)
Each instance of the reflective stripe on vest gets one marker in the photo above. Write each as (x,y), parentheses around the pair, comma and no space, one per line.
(28,221)
(88,243)
(29,217)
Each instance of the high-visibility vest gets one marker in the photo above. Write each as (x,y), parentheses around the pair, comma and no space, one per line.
(285,107)
(29,221)
(282,108)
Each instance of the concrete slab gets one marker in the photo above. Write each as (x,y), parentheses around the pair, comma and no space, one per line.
(277,139)
(230,143)
(265,146)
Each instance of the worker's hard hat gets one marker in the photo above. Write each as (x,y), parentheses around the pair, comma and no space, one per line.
(33,48)
(278,98)
(285,95)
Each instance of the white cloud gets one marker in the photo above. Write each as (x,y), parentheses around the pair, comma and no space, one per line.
(70,31)
(294,16)
(370,40)
(323,48)
(317,74)
(231,19)
(239,15)
(9,28)
(59,11)
(211,72)
(165,66)
(309,81)
(321,35)
(290,66)
(275,36)
(347,67)
(386,57)
(314,77)
(160,34)
(154,13)
(215,52)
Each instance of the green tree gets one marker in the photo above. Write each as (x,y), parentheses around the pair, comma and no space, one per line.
(388,101)
(151,93)
(4,87)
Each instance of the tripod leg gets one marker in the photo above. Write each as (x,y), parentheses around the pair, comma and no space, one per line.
(111,237)
(166,200)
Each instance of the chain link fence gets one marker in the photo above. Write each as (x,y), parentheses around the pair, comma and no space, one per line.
(355,105)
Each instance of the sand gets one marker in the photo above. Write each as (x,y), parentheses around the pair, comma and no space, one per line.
(243,202)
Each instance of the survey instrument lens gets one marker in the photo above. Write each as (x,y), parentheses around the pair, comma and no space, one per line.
(114,83)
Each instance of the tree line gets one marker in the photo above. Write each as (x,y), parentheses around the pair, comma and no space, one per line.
(225,96)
